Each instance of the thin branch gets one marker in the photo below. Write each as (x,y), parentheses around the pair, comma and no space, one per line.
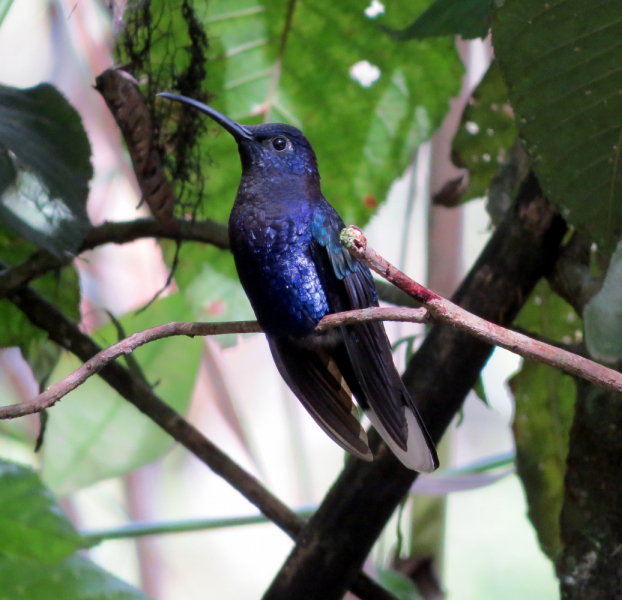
(67,335)
(444,311)
(122,232)
(278,63)
(118,232)
(126,346)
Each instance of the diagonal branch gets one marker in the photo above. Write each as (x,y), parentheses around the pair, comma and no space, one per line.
(444,311)
(126,346)
(67,335)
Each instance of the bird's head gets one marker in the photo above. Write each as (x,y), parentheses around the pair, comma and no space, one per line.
(269,149)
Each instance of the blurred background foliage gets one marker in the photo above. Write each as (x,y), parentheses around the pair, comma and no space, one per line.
(404,116)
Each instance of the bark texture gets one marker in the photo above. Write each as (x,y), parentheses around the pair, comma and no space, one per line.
(590,567)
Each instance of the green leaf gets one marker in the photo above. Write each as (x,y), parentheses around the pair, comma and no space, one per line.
(94,433)
(32,523)
(74,578)
(302,76)
(37,542)
(467,18)
(61,288)
(480,391)
(486,133)
(544,399)
(45,188)
(561,61)
(603,315)
(546,314)
(399,585)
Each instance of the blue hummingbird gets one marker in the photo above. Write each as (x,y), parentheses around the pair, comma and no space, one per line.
(294,269)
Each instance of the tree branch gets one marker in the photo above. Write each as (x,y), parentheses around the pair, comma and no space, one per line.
(95,364)
(122,232)
(117,232)
(67,335)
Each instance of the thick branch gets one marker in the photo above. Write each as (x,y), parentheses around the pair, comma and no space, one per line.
(67,335)
(34,266)
(572,277)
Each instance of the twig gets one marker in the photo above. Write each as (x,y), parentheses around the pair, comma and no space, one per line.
(67,335)
(444,311)
(126,346)
(121,232)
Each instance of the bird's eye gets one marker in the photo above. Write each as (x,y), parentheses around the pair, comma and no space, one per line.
(279,144)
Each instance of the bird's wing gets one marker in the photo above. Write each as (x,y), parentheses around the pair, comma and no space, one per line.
(392,411)
(315,379)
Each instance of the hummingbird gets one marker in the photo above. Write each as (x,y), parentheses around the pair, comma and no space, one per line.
(294,269)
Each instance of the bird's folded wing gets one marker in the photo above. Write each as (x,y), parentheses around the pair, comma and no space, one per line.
(315,379)
(392,411)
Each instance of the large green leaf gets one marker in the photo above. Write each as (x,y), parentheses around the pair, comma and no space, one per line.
(215,296)
(262,65)
(61,288)
(561,61)
(399,585)
(603,315)
(38,545)
(45,167)
(94,433)
(544,399)
(32,523)
(298,71)
(75,578)
(467,18)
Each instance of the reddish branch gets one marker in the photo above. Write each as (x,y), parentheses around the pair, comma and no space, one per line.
(95,364)
(444,311)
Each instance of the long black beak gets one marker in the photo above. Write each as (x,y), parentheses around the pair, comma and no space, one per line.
(239,132)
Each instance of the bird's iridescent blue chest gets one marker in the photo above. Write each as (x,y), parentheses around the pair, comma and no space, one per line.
(271,245)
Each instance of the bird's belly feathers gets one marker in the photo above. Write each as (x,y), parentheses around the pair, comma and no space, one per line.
(277,271)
